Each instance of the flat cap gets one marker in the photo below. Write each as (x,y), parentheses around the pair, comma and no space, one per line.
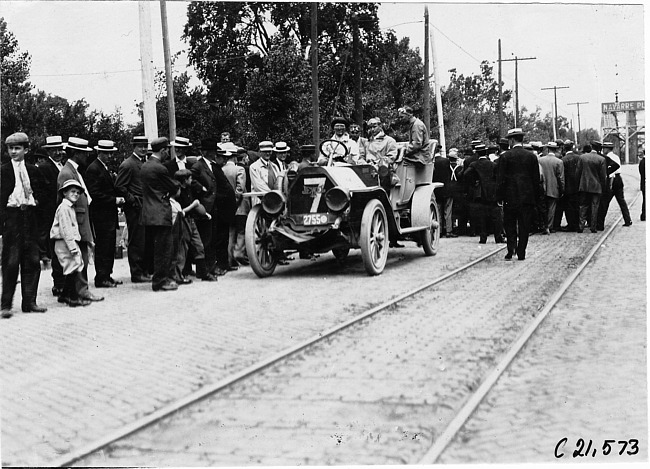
(182,174)
(159,143)
(18,138)
(340,120)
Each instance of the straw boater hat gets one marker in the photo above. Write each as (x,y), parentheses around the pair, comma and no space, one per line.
(608,144)
(515,132)
(281,147)
(70,183)
(266,146)
(78,144)
(228,146)
(139,140)
(105,145)
(180,142)
(552,145)
(55,141)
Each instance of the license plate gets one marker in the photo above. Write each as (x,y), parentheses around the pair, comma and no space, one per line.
(314,219)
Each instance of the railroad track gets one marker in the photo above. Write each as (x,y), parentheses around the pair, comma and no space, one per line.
(440,442)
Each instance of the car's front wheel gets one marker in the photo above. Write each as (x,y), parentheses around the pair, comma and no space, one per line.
(262,257)
(430,238)
(373,238)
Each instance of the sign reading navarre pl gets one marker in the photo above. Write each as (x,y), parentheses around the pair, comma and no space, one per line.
(624,106)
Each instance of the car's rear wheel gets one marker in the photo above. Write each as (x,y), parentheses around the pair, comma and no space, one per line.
(430,238)
(263,259)
(341,253)
(373,238)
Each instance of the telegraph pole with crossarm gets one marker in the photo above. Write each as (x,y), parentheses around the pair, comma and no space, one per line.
(555,88)
(516,61)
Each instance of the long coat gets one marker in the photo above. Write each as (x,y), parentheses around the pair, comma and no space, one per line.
(484,171)
(442,173)
(203,175)
(225,200)
(81,206)
(571,176)
(157,186)
(553,169)
(102,190)
(518,177)
(129,183)
(592,169)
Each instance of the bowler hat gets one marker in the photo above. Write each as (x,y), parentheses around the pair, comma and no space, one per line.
(79,144)
(18,138)
(105,145)
(54,141)
(139,140)
(159,143)
(70,183)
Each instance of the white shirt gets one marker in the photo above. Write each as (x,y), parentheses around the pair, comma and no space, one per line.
(18,197)
(180,163)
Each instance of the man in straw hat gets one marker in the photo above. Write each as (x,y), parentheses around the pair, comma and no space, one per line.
(21,188)
(103,213)
(517,186)
(78,153)
(129,185)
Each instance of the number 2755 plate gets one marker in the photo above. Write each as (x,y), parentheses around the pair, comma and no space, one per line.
(314,219)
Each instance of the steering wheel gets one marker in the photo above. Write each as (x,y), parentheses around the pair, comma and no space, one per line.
(333,153)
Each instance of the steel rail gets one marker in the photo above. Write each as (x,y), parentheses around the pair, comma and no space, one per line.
(441,443)
(213,388)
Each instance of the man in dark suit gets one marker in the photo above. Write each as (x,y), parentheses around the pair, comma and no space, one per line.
(225,206)
(481,176)
(517,186)
(74,168)
(205,180)
(21,189)
(156,215)
(129,185)
(181,146)
(571,184)
(442,173)
(103,213)
(592,171)
(49,169)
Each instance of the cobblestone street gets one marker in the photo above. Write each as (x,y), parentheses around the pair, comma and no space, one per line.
(75,375)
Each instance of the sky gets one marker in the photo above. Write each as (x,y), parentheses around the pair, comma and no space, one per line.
(90,49)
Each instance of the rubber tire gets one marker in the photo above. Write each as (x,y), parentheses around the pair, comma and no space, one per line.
(262,260)
(373,238)
(430,238)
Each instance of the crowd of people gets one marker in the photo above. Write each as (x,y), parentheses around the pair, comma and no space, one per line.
(184,205)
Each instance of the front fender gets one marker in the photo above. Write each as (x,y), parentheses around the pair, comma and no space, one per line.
(420,204)
(360,198)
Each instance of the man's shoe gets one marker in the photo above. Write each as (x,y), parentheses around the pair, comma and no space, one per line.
(63,299)
(218,271)
(57,291)
(395,244)
(508,256)
(78,302)
(169,286)
(209,278)
(482,240)
(231,268)
(142,279)
(594,231)
(521,258)
(92,297)
(499,241)
(628,223)
(545,232)
(105,284)
(183,281)
(116,282)
(34,308)
(451,235)
(7,313)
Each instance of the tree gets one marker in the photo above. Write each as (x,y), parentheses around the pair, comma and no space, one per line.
(14,85)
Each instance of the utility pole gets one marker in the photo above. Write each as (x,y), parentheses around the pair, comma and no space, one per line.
(436,82)
(314,75)
(555,88)
(426,108)
(146,61)
(578,104)
(500,96)
(358,105)
(516,60)
(168,74)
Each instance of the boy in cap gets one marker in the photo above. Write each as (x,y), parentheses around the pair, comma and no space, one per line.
(20,190)
(66,236)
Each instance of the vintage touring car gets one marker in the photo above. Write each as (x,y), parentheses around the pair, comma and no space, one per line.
(341,207)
